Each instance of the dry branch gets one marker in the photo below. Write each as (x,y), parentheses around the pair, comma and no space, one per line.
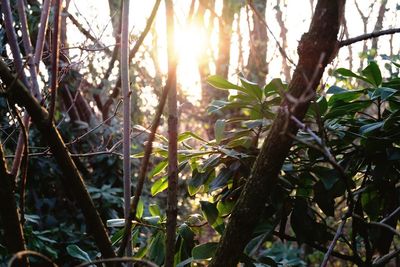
(19,94)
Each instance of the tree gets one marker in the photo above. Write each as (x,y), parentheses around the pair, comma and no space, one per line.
(316,49)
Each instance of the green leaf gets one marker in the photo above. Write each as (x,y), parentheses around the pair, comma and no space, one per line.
(373,73)
(276,86)
(186,135)
(219,128)
(158,168)
(204,251)
(365,129)
(78,253)
(210,211)
(383,93)
(225,207)
(221,179)
(349,73)
(253,88)
(140,209)
(221,83)
(196,183)
(159,186)
(154,210)
(157,248)
(342,108)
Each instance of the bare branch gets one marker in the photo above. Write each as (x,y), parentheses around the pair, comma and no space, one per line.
(368,36)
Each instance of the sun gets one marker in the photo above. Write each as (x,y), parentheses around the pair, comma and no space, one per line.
(190,44)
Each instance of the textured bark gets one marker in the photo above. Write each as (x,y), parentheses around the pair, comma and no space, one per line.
(172,201)
(18,93)
(283,36)
(126,145)
(378,24)
(257,65)
(315,49)
(13,235)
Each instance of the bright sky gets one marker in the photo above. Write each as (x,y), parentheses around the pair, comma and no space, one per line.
(190,42)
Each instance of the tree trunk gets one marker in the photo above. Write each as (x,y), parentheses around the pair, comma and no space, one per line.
(378,25)
(283,35)
(315,49)
(257,65)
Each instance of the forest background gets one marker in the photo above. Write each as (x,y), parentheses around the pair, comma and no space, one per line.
(102,78)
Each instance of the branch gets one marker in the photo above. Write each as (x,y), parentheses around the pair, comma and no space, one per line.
(121,259)
(143,169)
(368,36)
(386,258)
(19,94)
(54,57)
(334,241)
(320,40)
(126,145)
(86,32)
(24,253)
(172,201)
(13,235)
(132,54)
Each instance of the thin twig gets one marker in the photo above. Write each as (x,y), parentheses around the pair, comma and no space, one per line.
(143,169)
(333,243)
(120,259)
(54,58)
(21,254)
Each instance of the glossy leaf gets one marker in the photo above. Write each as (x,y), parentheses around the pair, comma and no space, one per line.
(204,251)
(78,253)
(219,129)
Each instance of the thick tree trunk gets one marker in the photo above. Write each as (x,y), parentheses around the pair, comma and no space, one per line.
(18,93)
(315,49)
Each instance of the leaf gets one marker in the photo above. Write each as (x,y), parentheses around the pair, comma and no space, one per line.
(154,210)
(158,168)
(116,223)
(225,207)
(140,209)
(373,73)
(365,129)
(210,211)
(221,83)
(349,73)
(78,253)
(157,248)
(204,251)
(383,93)
(253,88)
(219,128)
(159,186)
(196,183)
(221,179)
(276,86)
(186,135)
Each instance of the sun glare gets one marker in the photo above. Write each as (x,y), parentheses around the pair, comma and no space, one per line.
(190,43)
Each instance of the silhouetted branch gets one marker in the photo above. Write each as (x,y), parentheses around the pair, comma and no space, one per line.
(368,36)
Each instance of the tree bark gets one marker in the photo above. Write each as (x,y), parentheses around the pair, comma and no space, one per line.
(257,65)
(172,201)
(19,94)
(13,234)
(379,24)
(316,48)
